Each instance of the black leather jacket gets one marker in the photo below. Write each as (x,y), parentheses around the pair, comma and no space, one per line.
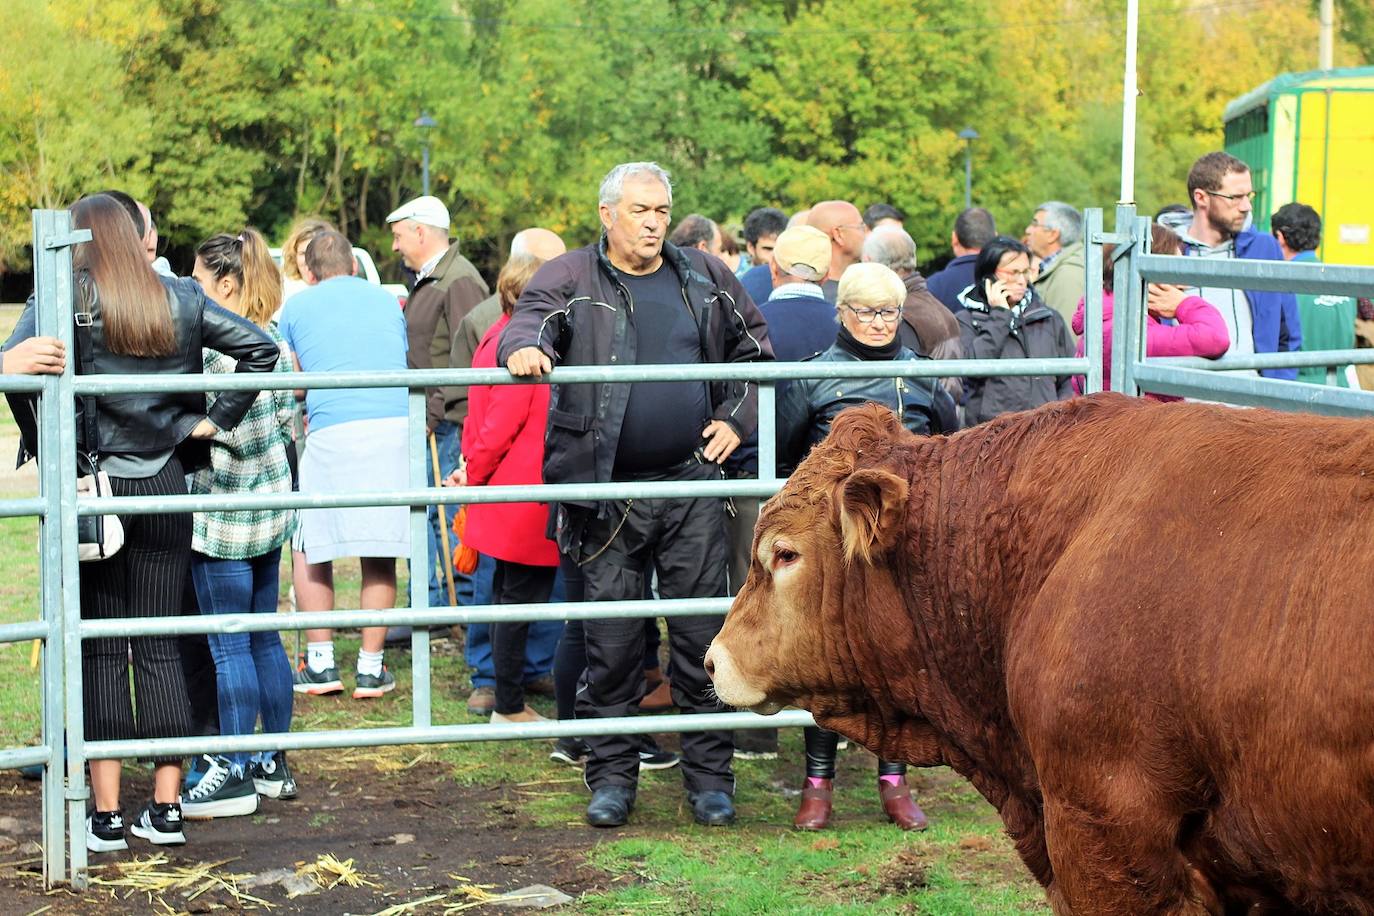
(809,406)
(577,310)
(151,422)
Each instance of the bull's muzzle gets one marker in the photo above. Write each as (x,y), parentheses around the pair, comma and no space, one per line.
(731,685)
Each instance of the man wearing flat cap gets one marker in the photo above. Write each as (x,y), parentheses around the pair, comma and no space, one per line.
(447,287)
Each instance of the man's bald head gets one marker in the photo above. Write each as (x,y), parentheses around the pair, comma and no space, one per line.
(539,243)
(798,219)
(845,225)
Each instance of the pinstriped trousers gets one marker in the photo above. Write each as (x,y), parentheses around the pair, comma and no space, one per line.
(145,579)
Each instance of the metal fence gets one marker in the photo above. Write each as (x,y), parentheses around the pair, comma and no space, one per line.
(64,751)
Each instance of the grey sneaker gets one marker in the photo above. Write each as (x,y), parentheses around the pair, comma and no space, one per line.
(370,686)
(160,824)
(272,778)
(105,832)
(317,683)
(221,793)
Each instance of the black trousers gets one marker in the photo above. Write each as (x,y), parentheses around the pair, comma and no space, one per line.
(684,541)
(821,748)
(515,583)
(145,579)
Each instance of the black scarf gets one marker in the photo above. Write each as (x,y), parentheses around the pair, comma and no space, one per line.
(863,351)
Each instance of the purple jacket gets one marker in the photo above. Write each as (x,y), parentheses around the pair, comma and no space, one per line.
(1201,331)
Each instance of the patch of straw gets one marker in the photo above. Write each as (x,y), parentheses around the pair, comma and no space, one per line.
(154,876)
(329,872)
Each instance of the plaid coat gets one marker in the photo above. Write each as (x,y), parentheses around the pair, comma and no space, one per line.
(250,458)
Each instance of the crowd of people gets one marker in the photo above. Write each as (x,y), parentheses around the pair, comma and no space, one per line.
(827,284)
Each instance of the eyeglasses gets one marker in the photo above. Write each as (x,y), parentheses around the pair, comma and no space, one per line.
(1248,195)
(862,227)
(866,316)
(1014,274)
(1036,224)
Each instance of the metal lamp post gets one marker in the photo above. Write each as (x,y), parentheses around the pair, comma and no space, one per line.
(426,124)
(968,135)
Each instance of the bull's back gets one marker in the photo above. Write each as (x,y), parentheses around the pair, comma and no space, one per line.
(1202,629)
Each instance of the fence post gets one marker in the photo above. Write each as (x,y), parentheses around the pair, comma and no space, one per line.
(1092,299)
(421,559)
(62,588)
(48,224)
(1127,305)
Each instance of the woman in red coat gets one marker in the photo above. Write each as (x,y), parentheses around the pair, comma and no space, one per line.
(503,445)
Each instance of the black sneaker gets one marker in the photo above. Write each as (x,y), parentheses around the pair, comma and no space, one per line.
(371,686)
(159,824)
(272,778)
(221,793)
(572,751)
(105,832)
(316,683)
(656,758)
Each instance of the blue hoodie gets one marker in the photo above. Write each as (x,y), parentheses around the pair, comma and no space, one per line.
(1277,327)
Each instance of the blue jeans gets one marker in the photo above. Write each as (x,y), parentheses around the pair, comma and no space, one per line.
(252,673)
(446,438)
(539,645)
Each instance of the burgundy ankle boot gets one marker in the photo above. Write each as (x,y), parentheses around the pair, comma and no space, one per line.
(814,813)
(900,807)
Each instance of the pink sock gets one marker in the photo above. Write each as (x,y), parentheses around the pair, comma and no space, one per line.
(894,779)
(815,782)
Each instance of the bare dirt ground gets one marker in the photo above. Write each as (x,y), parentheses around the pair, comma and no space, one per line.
(412,835)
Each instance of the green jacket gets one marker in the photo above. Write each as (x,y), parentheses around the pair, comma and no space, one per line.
(1328,323)
(1061,285)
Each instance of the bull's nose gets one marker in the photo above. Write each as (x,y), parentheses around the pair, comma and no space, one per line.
(710,665)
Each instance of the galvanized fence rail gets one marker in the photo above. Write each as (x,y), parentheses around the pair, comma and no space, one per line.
(62,630)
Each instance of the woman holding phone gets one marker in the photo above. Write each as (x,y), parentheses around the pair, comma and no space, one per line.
(1004,318)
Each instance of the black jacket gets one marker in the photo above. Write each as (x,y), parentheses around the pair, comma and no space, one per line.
(135,422)
(990,332)
(577,310)
(809,406)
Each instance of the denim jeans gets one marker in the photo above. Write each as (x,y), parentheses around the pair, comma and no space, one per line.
(540,644)
(252,673)
(446,438)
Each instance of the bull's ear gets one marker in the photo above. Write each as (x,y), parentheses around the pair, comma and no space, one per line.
(872,512)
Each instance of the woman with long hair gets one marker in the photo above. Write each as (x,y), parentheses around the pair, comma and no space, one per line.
(142,323)
(236,556)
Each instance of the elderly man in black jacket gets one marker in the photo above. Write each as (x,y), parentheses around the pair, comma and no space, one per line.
(632,299)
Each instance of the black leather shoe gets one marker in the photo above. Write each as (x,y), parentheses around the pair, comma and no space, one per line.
(611,806)
(714,809)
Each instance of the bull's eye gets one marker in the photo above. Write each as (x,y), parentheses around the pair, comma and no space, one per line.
(783,555)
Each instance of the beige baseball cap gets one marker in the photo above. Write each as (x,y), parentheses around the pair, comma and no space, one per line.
(803,252)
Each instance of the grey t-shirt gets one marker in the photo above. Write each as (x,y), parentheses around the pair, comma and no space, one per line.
(1231,303)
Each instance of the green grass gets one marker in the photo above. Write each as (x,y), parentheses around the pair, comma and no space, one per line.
(663,863)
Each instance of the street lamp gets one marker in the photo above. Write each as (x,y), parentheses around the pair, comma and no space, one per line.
(968,135)
(426,124)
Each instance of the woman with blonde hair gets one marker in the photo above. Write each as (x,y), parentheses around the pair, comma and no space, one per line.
(868,303)
(237,555)
(503,445)
(141,323)
(303,232)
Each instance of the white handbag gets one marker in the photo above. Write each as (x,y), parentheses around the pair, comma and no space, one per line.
(99,537)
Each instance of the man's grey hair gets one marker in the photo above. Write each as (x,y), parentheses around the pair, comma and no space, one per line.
(613,185)
(891,247)
(1065,218)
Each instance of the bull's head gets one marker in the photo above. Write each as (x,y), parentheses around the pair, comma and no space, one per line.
(821,622)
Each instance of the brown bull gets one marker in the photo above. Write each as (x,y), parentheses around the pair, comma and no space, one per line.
(1142,631)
